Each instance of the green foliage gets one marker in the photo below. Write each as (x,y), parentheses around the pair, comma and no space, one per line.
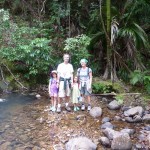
(99,88)
(23,44)
(141,78)
(119,98)
(77,47)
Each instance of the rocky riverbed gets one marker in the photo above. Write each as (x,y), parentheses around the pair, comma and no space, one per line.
(30,127)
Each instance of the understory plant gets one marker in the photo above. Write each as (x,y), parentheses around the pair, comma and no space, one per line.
(142,79)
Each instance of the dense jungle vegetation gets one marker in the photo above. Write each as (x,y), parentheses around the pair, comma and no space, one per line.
(114,36)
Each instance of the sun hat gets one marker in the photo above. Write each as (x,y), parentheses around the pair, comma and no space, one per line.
(83,61)
(54,71)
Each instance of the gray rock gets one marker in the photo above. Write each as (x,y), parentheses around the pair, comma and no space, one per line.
(117,118)
(80,143)
(147,128)
(146,118)
(141,137)
(107,125)
(121,141)
(106,119)
(96,112)
(135,119)
(114,105)
(125,108)
(105,141)
(134,111)
(110,133)
(129,131)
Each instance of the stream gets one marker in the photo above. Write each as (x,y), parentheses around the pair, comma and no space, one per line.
(24,125)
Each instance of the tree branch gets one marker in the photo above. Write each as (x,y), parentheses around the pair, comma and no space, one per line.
(22,86)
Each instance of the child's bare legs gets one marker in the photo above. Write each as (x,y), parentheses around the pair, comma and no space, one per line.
(55,102)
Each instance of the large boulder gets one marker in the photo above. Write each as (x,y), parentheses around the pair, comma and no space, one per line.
(80,143)
(114,105)
(134,111)
(96,112)
(146,118)
(121,141)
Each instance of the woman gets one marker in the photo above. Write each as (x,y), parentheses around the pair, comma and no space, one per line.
(85,81)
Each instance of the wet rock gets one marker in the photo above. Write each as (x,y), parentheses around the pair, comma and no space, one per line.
(129,131)
(38,96)
(106,119)
(24,138)
(114,105)
(107,125)
(117,118)
(96,112)
(110,133)
(105,141)
(134,111)
(146,118)
(80,143)
(121,141)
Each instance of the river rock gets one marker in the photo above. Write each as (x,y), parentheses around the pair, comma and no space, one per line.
(114,105)
(106,119)
(146,118)
(105,141)
(96,112)
(134,111)
(125,108)
(121,141)
(147,128)
(36,148)
(129,131)
(38,96)
(107,125)
(109,133)
(80,143)
(136,118)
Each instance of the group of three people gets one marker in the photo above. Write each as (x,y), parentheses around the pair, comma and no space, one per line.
(63,84)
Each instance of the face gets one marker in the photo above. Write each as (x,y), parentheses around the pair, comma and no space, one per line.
(75,79)
(83,64)
(54,75)
(66,58)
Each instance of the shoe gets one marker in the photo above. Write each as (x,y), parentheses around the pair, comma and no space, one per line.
(83,107)
(89,107)
(58,110)
(68,108)
(54,109)
(75,109)
(51,108)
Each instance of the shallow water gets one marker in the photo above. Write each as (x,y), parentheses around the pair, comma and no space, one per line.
(24,125)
